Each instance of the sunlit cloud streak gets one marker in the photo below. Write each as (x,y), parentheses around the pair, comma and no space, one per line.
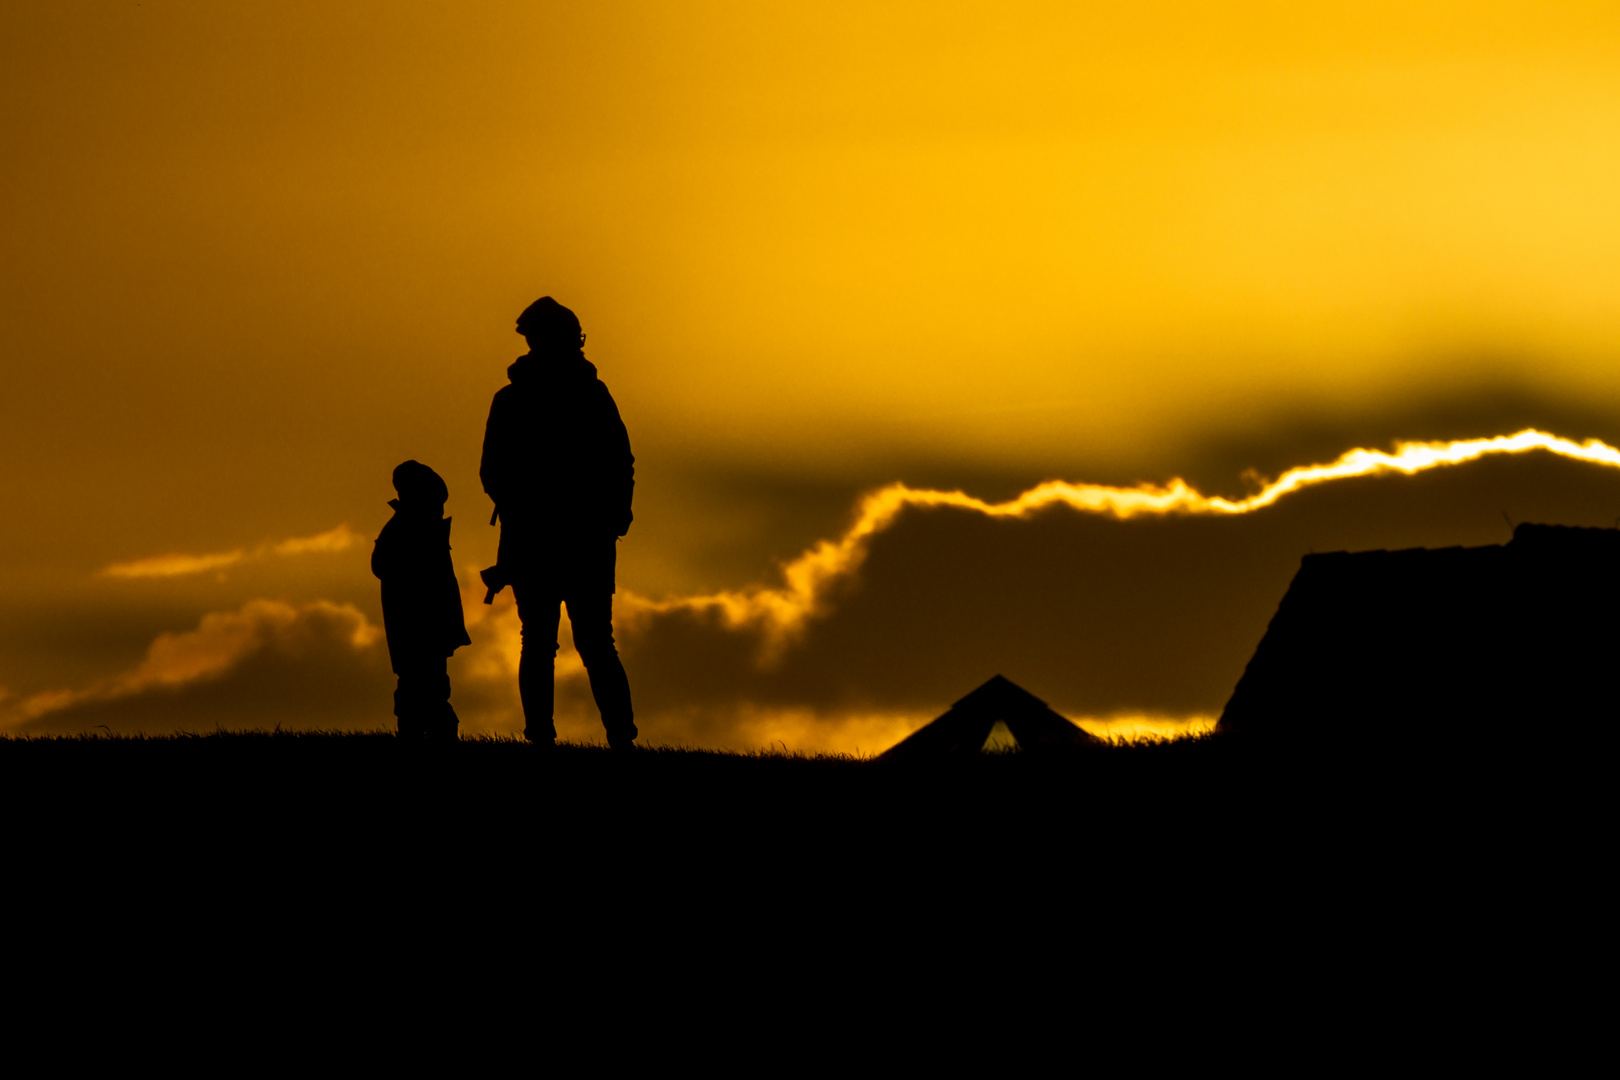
(179,565)
(220,642)
(779,613)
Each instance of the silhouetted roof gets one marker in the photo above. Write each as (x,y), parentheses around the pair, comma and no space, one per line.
(966,725)
(1434,642)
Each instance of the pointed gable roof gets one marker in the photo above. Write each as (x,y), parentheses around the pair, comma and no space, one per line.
(966,725)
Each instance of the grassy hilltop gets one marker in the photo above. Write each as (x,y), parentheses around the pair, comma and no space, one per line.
(317,781)
(312,841)
(317,778)
(346,798)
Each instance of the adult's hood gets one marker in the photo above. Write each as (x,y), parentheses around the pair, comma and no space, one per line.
(530,370)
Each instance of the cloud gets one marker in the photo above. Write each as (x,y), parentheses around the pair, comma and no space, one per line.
(1133,623)
(780,612)
(174,565)
(277,662)
(178,565)
(1141,622)
(341,538)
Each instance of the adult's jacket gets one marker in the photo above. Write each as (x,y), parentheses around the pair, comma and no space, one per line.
(557,463)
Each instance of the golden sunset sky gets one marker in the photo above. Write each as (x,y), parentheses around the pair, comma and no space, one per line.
(256,254)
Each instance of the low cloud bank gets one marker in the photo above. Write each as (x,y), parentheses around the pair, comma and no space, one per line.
(1136,625)
(324,665)
(267,661)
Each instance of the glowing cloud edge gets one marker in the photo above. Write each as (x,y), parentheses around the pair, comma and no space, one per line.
(780,613)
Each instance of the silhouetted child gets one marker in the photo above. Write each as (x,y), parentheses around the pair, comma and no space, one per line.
(421,603)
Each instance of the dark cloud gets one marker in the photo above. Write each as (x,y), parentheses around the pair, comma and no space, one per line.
(1098,616)
(268,663)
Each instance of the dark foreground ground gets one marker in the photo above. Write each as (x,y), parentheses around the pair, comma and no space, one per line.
(349,797)
(487,809)
(333,873)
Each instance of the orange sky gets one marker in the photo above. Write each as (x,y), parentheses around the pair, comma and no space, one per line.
(256,254)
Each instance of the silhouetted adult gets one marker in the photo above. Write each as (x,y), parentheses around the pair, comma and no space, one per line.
(557,463)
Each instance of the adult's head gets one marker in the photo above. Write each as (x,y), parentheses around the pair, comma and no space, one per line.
(550,328)
(419,485)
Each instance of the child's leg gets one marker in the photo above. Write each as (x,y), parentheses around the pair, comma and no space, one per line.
(424,690)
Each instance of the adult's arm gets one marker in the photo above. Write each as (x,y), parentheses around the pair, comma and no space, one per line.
(618,466)
(494,466)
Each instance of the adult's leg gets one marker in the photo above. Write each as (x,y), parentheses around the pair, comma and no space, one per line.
(537,678)
(591,617)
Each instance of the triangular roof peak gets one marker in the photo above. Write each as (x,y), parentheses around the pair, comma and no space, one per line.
(964,727)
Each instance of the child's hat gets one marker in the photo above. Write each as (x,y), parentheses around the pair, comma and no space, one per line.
(418,483)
